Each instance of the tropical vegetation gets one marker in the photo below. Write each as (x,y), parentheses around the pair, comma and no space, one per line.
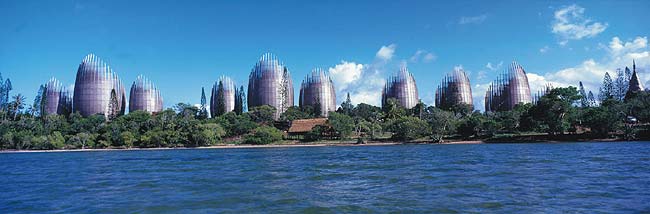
(560,112)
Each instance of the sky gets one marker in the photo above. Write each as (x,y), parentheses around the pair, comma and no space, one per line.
(184,45)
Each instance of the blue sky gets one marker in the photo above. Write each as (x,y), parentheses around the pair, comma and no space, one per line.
(184,45)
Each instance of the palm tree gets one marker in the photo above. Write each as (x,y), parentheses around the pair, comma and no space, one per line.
(113,109)
(17,105)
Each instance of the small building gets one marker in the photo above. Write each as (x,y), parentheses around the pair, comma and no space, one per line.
(299,128)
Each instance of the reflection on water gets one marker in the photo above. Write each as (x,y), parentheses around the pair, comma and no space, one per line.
(510,178)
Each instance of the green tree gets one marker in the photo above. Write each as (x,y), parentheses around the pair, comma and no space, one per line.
(203,111)
(221,101)
(584,98)
(208,134)
(620,85)
(239,100)
(262,114)
(90,124)
(155,138)
(5,88)
(409,128)
(590,99)
(607,89)
(471,125)
(186,110)
(136,122)
(53,123)
(236,125)
(341,123)
(317,110)
(639,106)
(56,140)
(603,119)
(128,139)
(441,122)
(38,142)
(509,121)
(346,107)
(527,121)
(418,110)
(554,109)
(462,109)
(113,106)
(263,135)
(316,133)
(490,127)
(82,140)
(16,106)
(393,110)
(36,109)
(295,113)
(368,112)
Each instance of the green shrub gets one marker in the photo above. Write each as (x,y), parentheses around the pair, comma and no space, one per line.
(342,124)
(56,141)
(263,135)
(316,133)
(409,128)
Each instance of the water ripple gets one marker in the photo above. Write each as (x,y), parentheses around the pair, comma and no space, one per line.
(501,178)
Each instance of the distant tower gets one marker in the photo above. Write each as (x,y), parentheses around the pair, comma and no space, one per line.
(222,98)
(401,86)
(509,89)
(57,99)
(317,91)
(454,89)
(269,83)
(635,85)
(93,87)
(145,96)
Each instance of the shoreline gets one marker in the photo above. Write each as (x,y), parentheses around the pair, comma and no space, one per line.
(224,146)
(319,144)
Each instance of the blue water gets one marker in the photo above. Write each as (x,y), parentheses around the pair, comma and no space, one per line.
(487,178)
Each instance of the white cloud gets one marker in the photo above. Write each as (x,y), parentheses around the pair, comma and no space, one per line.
(472,19)
(429,57)
(591,72)
(423,56)
(544,49)
(364,82)
(570,24)
(478,95)
(386,52)
(367,88)
(492,67)
(417,55)
(345,73)
(616,46)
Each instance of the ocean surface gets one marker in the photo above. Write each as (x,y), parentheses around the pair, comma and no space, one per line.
(481,178)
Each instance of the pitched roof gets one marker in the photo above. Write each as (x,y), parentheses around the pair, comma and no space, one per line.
(635,84)
(305,125)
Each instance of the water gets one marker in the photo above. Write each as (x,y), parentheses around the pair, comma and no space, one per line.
(494,178)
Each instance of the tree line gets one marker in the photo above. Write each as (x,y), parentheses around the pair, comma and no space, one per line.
(560,111)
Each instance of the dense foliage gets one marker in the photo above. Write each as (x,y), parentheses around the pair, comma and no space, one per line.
(183,127)
(559,112)
(263,135)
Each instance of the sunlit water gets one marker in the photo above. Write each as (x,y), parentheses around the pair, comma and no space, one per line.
(497,178)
